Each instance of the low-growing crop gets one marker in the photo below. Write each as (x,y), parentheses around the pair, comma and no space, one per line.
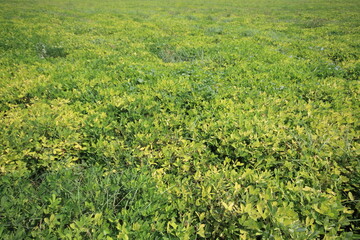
(179,119)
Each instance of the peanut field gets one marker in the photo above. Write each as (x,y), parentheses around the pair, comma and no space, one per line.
(178,119)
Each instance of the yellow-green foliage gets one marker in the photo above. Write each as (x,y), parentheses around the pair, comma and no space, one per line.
(179,119)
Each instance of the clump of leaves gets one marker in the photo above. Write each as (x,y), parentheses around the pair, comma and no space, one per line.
(171,54)
(47,51)
(314,23)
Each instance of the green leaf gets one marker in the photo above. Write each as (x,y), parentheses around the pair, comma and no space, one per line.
(201,230)
(351,196)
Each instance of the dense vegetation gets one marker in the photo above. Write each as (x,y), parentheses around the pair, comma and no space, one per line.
(179,119)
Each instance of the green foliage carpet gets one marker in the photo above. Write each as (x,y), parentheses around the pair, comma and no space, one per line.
(135,119)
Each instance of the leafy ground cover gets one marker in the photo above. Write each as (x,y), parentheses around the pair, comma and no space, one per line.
(179,119)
